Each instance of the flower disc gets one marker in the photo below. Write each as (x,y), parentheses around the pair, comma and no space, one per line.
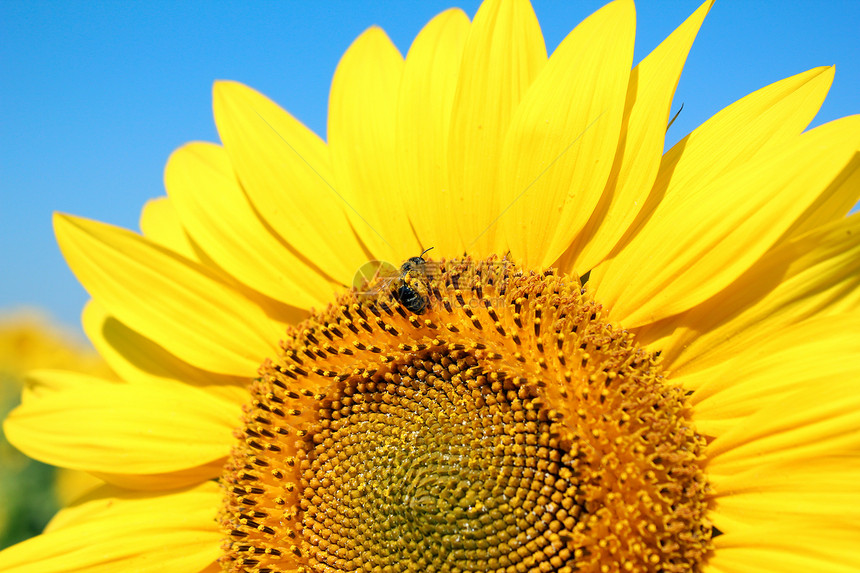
(507,427)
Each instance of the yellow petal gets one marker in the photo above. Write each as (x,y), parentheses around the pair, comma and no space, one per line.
(788,548)
(114,530)
(756,124)
(815,423)
(503,54)
(173,301)
(755,509)
(45,381)
(792,466)
(138,360)
(218,215)
(125,428)
(764,119)
(825,488)
(361,128)
(803,356)
(815,274)
(752,501)
(160,223)
(71,485)
(698,243)
(563,136)
(760,122)
(649,98)
(828,474)
(423,122)
(834,204)
(284,168)
(168,480)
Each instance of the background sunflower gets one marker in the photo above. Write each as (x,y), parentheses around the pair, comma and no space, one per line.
(31,492)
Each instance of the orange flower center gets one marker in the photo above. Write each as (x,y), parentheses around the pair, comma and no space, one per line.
(465,416)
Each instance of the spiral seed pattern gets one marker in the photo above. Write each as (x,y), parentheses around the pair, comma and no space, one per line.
(507,428)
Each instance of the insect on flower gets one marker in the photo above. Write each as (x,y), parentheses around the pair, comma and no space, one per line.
(412,288)
(408,284)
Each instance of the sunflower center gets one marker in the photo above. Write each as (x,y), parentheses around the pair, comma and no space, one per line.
(433,465)
(465,416)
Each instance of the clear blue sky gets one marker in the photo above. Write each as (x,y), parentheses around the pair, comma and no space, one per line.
(95,95)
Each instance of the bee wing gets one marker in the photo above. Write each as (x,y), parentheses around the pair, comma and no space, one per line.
(374,276)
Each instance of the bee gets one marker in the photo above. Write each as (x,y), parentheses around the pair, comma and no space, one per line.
(408,285)
(412,289)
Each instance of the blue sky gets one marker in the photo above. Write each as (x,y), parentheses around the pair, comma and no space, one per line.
(95,95)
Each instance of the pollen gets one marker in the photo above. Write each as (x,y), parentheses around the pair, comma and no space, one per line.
(507,427)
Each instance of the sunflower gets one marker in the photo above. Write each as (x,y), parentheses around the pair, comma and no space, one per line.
(612,359)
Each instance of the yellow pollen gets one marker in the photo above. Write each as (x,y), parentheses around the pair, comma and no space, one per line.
(482,419)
